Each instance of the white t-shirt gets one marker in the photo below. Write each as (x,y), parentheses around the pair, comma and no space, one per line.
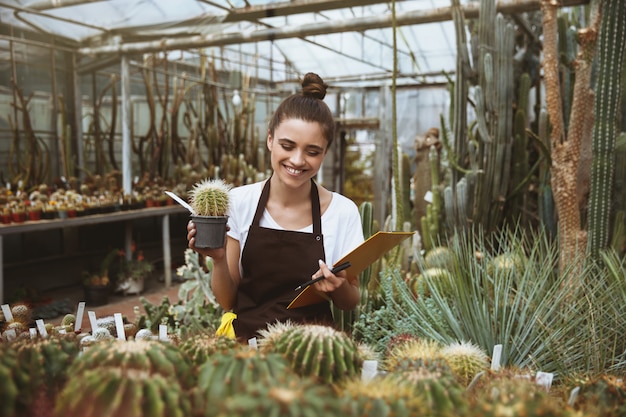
(341,222)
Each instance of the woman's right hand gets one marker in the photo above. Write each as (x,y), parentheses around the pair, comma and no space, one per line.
(216,253)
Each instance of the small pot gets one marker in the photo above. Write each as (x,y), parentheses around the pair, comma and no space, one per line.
(210,231)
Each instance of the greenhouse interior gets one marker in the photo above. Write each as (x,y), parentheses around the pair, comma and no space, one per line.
(463,163)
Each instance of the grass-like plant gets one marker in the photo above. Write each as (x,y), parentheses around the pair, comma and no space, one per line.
(542,323)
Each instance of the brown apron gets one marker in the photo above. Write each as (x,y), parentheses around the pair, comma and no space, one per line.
(274,262)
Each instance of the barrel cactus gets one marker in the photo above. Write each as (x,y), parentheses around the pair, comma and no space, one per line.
(320,352)
(414,354)
(292,398)
(440,257)
(14,392)
(200,348)
(379,397)
(438,278)
(224,374)
(153,357)
(119,392)
(466,360)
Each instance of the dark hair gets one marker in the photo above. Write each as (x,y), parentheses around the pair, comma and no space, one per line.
(307,105)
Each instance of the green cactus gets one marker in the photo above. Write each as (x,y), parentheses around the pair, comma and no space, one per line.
(15,393)
(415,353)
(440,257)
(210,197)
(199,348)
(438,278)
(604,396)
(153,357)
(118,392)
(380,397)
(224,374)
(610,57)
(466,360)
(292,398)
(321,352)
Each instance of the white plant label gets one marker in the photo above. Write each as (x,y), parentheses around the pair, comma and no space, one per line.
(93,321)
(369,371)
(544,379)
(119,326)
(495,359)
(6,310)
(62,331)
(11,335)
(79,316)
(573,396)
(42,328)
(252,343)
(163,333)
(428,197)
(33,332)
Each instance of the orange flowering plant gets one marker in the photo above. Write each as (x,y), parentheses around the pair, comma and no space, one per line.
(136,267)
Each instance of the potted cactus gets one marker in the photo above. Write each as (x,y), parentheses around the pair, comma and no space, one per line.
(209,201)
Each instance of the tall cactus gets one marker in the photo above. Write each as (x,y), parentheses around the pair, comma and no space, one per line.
(612,38)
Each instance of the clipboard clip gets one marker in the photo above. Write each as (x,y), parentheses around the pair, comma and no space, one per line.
(336,269)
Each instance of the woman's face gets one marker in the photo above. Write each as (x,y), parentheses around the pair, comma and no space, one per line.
(297,150)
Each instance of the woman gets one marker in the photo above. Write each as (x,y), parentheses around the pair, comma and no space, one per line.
(275,242)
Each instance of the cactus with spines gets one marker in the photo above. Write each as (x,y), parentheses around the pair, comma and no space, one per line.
(154,357)
(379,397)
(272,332)
(431,223)
(466,360)
(499,395)
(210,197)
(15,394)
(22,313)
(119,392)
(416,353)
(200,348)
(224,374)
(68,320)
(604,395)
(438,278)
(291,398)
(440,257)
(610,50)
(320,352)
(435,387)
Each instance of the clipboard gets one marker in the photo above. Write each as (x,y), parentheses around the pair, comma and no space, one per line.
(360,258)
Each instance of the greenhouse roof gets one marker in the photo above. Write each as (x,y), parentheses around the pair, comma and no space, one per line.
(347,42)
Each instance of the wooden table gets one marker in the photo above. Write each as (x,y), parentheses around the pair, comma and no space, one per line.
(119,216)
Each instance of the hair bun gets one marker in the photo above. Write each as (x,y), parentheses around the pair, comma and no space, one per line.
(314,86)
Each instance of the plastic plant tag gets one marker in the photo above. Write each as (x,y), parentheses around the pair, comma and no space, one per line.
(428,197)
(495,359)
(573,396)
(33,333)
(92,320)
(42,328)
(6,310)
(252,343)
(79,316)
(62,331)
(11,335)
(369,370)
(163,333)
(119,326)
(544,379)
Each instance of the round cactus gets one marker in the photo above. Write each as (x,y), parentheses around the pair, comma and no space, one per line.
(438,278)
(436,389)
(68,320)
(293,398)
(22,313)
(200,348)
(603,396)
(466,360)
(149,356)
(320,352)
(414,354)
(270,334)
(225,373)
(379,397)
(119,392)
(210,197)
(14,389)
(440,257)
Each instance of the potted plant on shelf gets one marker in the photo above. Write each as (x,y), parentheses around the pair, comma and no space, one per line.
(132,272)
(97,285)
(209,200)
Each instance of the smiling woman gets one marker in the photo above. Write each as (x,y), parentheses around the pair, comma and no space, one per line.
(284,230)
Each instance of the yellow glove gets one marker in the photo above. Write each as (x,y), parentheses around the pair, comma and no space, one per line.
(226,326)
